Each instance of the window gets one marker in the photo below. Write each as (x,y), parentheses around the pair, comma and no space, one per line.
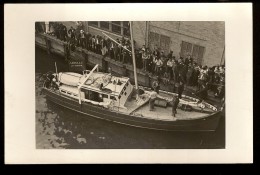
(105,96)
(124,88)
(165,43)
(154,39)
(119,96)
(126,28)
(112,98)
(125,93)
(194,50)
(185,49)
(104,25)
(197,53)
(93,23)
(159,41)
(116,27)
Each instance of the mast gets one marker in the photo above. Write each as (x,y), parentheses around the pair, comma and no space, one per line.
(133,56)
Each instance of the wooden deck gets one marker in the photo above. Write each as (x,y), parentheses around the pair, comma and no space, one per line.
(159,113)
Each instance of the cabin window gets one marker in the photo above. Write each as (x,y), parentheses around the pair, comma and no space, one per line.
(69,93)
(125,93)
(91,95)
(126,84)
(119,96)
(112,98)
(105,96)
(63,91)
(124,88)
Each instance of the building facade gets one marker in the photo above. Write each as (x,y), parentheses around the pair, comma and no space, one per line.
(203,40)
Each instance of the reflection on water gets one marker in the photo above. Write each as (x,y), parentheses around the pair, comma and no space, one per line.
(57,127)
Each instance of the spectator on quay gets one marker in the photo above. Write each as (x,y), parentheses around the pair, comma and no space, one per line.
(180,89)
(111,49)
(150,65)
(221,86)
(153,59)
(64,33)
(170,55)
(123,40)
(217,70)
(221,69)
(187,59)
(128,55)
(195,74)
(166,78)
(183,72)
(103,46)
(175,71)
(210,78)
(180,60)
(71,33)
(169,67)
(98,45)
(158,66)
(123,55)
(93,43)
(116,51)
(82,41)
(143,48)
(202,77)
(52,30)
(88,40)
(145,58)
(190,74)
(164,61)
(57,29)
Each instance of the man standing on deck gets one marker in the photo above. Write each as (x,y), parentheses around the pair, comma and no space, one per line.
(153,96)
(175,102)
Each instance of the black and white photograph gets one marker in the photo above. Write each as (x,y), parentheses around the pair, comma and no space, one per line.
(128,83)
(165,76)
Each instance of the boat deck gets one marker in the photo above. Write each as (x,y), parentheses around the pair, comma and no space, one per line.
(160,113)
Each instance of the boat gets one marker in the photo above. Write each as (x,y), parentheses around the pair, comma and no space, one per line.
(114,98)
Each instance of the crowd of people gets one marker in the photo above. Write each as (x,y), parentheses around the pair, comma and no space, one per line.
(169,69)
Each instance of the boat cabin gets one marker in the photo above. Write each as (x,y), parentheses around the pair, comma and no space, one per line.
(96,87)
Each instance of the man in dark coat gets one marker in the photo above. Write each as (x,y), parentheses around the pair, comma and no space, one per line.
(175,102)
(180,89)
(203,92)
(190,74)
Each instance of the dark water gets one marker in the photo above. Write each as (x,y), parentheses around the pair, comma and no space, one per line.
(57,127)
